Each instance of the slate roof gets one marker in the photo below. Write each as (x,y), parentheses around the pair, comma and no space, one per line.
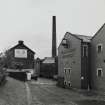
(22,46)
(84,38)
(99,30)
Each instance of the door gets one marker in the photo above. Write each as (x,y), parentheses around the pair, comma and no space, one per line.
(84,71)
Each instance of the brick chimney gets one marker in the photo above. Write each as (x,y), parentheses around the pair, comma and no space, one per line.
(20,42)
(54,36)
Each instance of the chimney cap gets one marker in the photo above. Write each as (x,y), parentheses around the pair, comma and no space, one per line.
(20,41)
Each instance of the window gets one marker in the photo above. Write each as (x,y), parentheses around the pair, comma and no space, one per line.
(99,72)
(65,43)
(64,70)
(85,50)
(69,84)
(65,83)
(99,48)
(67,70)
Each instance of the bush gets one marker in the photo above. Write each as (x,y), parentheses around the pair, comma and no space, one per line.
(2,75)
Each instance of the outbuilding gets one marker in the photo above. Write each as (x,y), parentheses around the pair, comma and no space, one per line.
(48,67)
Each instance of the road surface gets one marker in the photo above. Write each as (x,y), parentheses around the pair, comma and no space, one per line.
(45,92)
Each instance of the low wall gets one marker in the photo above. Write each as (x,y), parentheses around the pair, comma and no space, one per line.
(22,76)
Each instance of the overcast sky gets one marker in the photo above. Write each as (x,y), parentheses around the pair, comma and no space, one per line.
(31,21)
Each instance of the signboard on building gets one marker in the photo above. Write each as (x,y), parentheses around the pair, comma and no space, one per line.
(20,53)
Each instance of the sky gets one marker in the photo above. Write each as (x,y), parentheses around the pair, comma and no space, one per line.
(31,21)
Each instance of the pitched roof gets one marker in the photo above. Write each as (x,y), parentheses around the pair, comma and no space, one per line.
(22,46)
(99,30)
(84,38)
(49,60)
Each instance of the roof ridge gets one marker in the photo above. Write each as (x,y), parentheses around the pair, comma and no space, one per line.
(82,35)
(23,45)
(99,30)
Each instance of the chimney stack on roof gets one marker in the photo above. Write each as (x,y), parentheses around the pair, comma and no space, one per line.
(20,42)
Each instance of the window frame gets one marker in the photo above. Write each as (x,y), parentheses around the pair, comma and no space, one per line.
(65,43)
(86,51)
(69,69)
(101,72)
(98,48)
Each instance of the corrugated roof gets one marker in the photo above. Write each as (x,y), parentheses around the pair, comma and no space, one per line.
(84,38)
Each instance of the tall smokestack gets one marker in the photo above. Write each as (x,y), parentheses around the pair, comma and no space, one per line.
(54,36)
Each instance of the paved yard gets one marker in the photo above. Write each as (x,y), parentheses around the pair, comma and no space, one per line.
(45,92)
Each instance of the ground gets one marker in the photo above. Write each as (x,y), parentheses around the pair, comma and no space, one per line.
(45,92)
(13,93)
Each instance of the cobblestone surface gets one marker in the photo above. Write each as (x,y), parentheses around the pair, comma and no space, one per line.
(13,93)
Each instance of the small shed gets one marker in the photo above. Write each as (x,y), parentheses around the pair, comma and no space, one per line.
(48,67)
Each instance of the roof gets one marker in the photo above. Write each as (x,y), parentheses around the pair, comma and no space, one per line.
(22,46)
(99,30)
(49,60)
(84,37)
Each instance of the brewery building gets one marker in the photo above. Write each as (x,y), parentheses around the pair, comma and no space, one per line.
(98,59)
(74,61)
(81,61)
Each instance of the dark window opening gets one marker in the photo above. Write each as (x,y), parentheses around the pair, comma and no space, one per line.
(65,43)
(65,70)
(85,51)
(69,71)
(99,48)
(99,72)
(64,82)
(69,84)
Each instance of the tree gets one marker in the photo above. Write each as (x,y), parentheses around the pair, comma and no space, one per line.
(5,59)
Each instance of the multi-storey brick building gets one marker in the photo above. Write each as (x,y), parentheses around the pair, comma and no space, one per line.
(98,59)
(21,57)
(81,61)
(73,61)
